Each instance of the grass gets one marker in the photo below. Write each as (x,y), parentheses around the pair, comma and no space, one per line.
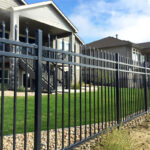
(122,141)
(107,103)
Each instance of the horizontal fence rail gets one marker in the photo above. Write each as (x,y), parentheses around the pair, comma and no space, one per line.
(68,97)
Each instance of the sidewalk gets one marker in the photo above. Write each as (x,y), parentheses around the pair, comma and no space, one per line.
(11,93)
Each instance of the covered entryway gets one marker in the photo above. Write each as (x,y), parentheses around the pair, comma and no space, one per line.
(45,16)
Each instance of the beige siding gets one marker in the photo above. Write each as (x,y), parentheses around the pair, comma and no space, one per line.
(77,59)
(21,72)
(5,4)
(123,51)
(66,39)
(148,57)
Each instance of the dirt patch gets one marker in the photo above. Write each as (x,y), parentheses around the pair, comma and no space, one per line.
(141,135)
(138,134)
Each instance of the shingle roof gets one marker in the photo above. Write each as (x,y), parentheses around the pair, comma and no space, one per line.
(145,45)
(108,42)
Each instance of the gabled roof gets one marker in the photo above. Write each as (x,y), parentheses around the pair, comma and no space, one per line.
(145,45)
(79,39)
(50,2)
(110,42)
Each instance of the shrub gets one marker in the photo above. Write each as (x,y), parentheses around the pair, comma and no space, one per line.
(5,87)
(77,85)
(116,140)
(21,89)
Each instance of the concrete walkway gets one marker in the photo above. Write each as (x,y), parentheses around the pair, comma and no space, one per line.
(11,93)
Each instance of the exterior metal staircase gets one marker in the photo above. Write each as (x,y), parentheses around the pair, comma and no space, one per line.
(22,64)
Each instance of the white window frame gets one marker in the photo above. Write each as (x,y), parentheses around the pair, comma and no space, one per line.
(137,56)
(66,46)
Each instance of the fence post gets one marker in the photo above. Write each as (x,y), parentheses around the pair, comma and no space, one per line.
(145,86)
(38,91)
(117,89)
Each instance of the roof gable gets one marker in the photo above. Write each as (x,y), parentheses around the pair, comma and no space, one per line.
(46,12)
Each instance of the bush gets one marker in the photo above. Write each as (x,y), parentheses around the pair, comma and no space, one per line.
(21,89)
(5,87)
(116,140)
(77,85)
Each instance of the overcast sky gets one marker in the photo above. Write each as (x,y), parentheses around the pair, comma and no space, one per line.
(96,19)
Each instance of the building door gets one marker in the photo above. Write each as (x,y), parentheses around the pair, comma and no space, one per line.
(24,80)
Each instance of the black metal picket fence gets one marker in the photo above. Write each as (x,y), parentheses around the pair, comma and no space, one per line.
(111,90)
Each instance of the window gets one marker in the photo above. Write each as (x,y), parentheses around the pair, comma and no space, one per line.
(23,49)
(6,78)
(66,45)
(60,44)
(137,56)
(23,39)
(142,58)
(24,80)
(1,45)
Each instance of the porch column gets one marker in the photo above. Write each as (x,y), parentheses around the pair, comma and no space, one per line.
(14,22)
(78,61)
(72,42)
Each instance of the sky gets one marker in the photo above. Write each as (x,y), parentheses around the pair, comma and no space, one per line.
(97,19)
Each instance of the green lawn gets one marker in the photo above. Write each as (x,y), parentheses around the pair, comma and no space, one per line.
(108,103)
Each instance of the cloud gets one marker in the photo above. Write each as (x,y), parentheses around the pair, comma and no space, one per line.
(130,19)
